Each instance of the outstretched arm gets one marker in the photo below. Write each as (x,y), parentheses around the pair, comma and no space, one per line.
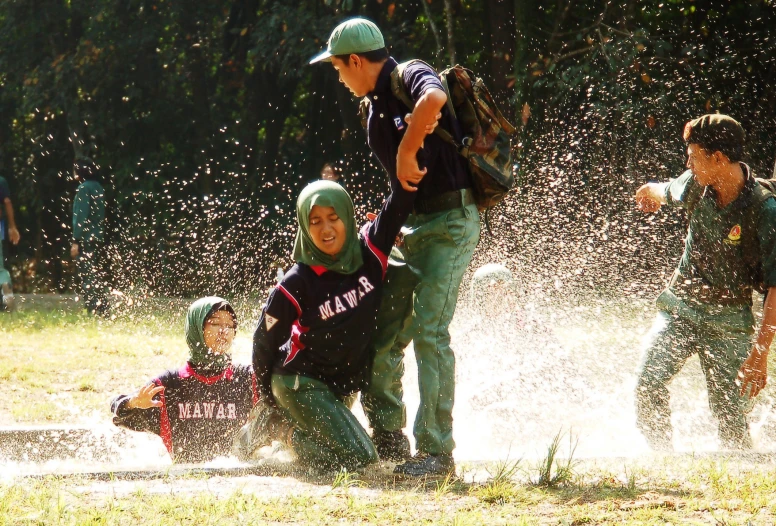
(141,411)
(679,192)
(651,196)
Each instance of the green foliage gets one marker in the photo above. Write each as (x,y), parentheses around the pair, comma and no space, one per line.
(183,101)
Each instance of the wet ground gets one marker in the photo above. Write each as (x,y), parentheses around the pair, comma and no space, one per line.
(521,380)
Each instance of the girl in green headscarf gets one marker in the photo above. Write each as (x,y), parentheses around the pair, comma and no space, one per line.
(311,345)
(196,409)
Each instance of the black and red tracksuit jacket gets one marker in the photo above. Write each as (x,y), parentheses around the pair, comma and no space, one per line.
(318,323)
(199,414)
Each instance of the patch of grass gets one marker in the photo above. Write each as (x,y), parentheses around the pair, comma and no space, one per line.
(553,471)
(345,479)
(501,487)
(446,486)
(36,411)
(679,492)
(500,492)
(504,470)
(87,384)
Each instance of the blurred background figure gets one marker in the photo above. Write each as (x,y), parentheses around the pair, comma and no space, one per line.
(330,172)
(87,248)
(6,221)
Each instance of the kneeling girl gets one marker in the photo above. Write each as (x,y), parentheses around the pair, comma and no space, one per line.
(311,346)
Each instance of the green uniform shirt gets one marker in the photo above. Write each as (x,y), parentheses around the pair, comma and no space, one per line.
(89,212)
(713,268)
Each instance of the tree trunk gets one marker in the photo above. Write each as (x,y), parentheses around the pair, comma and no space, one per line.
(449,16)
(501,18)
(203,124)
(252,120)
(435,32)
(280,101)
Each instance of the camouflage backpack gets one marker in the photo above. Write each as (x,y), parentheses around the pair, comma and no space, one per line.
(487,135)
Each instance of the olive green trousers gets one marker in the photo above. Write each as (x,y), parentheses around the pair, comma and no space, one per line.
(327,435)
(721,336)
(418,304)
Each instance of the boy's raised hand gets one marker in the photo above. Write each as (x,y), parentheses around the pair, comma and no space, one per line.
(144,399)
(648,198)
(429,127)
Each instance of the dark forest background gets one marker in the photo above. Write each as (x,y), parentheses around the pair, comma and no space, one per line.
(206,120)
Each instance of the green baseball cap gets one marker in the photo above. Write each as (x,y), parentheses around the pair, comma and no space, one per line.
(357,35)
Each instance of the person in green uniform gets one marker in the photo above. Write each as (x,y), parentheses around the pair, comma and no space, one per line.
(439,239)
(88,224)
(707,307)
(6,219)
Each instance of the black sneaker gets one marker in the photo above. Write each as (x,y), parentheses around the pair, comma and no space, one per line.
(391,445)
(423,465)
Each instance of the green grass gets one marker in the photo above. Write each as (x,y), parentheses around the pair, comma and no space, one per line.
(62,366)
(677,490)
(553,471)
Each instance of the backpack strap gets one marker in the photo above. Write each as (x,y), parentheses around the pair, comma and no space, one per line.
(363,111)
(399,90)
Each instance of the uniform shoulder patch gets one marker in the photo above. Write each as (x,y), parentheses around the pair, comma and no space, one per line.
(270,321)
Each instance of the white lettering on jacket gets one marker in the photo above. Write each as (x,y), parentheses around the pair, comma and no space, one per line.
(346,301)
(206,410)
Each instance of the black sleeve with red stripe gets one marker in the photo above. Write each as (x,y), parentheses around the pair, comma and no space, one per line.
(272,331)
(382,232)
(148,420)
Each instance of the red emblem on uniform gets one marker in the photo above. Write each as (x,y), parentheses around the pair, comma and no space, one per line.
(735,233)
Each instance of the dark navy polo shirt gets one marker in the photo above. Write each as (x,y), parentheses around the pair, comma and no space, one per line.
(447,170)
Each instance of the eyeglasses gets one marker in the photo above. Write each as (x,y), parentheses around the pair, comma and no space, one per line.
(220,327)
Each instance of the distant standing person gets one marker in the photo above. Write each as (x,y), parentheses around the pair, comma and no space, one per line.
(87,248)
(329,172)
(730,248)
(440,237)
(6,219)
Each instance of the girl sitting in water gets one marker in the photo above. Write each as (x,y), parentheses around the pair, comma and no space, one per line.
(198,408)
(310,348)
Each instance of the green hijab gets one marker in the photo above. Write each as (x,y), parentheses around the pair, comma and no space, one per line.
(194,329)
(327,193)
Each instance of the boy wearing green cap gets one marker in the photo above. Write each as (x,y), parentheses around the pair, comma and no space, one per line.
(6,218)
(439,240)
(730,248)
(87,248)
